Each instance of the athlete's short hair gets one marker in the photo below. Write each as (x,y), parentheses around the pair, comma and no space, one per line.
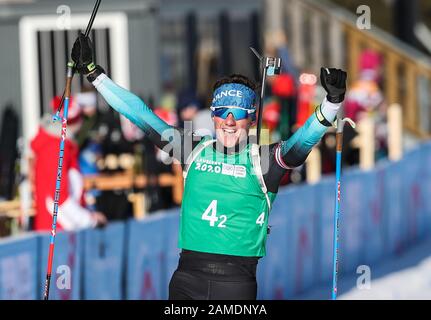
(236,78)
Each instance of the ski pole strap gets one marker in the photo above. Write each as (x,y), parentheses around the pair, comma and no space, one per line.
(339,124)
(91,67)
(97,71)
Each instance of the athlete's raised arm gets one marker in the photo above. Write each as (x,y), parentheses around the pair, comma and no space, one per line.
(294,151)
(127,103)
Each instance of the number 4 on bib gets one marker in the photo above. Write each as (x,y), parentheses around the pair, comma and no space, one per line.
(261,219)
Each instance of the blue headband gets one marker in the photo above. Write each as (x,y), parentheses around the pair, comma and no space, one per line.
(234,94)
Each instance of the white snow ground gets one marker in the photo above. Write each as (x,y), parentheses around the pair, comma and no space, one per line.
(406,276)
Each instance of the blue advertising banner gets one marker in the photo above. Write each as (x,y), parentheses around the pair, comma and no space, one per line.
(145,259)
(67,265)
(426,185)
(272,269)
(393,208)
(18,268)
(172,252)
(414,206)
(354,197)
(103,262)
(325,206)
(372,235)
(302,219)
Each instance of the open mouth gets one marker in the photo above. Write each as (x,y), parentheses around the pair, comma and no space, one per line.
(229,131)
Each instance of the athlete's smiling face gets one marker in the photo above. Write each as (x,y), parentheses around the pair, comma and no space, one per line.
(230,131)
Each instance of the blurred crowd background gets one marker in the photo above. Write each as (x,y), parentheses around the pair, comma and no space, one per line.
(170,52)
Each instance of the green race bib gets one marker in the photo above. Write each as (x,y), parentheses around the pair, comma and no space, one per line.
(224,209)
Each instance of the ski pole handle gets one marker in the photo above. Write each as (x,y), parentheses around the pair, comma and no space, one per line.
(56,117)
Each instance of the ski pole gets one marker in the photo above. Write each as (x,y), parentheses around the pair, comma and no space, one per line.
(66,100)
(270,67)
(339,148)
(87,32)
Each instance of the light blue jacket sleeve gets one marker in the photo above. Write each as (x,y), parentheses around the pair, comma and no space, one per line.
(295,150)
(134,109)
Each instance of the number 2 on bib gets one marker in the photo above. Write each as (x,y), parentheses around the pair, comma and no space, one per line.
(210,215)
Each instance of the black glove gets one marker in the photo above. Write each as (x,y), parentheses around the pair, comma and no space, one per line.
(82,54)
(334,83)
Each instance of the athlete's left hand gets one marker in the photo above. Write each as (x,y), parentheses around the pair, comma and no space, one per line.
(334,82)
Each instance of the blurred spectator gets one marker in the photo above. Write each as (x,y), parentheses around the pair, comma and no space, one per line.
(166,112)
(284,89)
(157,161)
(8,153)
(90,151)
(284,86)
(72,215)
(364,99)
(271,117)
(87,101)
(121,147)
(8,157)
(187,106)
(306,98)
(190,108)
(87,137)
(203,124)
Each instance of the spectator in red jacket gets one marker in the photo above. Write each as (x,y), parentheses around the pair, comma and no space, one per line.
(72,215)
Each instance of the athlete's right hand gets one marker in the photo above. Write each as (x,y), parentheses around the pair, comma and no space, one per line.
(82,55)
